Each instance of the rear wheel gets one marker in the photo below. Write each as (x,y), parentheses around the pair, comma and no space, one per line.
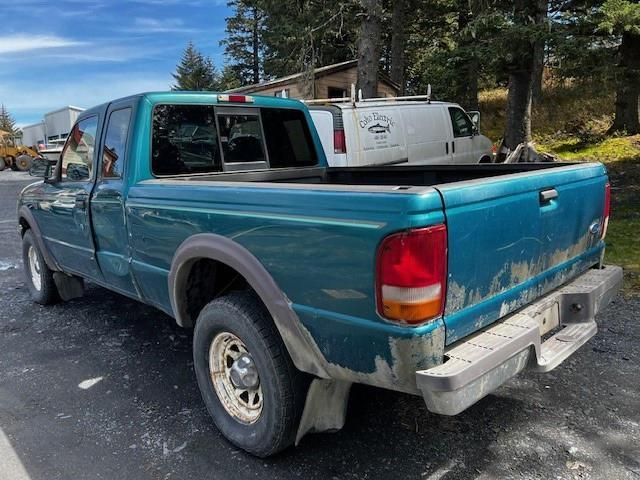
(3,165)
(38,275)
(247,380)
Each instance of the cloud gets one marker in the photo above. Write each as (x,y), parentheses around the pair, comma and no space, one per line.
(25,43)
(153,25)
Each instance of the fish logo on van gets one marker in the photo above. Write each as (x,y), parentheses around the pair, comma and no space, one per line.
(378,128)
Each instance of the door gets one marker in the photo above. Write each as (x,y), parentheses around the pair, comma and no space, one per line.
(462,145)
(427,133)
(323,121)
(108,214)
(63,211)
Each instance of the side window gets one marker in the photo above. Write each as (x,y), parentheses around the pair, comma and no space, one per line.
(78,154)
(115,143)
(462,126)
(241,138)
(184,140)
(289,141)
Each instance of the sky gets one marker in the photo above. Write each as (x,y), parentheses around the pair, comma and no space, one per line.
(85,52)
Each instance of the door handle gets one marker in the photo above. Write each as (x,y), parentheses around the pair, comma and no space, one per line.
(82,200)
(547,195)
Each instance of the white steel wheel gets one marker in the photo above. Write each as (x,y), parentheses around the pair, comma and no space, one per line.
(34,268)
(235,378)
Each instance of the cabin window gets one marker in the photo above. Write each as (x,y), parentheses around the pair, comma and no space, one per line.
(289,141)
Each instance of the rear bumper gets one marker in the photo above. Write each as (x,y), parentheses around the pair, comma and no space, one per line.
(482,362)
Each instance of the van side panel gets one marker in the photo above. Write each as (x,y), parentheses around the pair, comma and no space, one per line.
(428,134)
(375,136)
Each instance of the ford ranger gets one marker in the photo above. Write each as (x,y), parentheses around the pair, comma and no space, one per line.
(298,279)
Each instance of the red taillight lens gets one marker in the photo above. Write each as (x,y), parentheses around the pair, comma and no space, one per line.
(339,144)
(235,98)
(606,210)
(411,275)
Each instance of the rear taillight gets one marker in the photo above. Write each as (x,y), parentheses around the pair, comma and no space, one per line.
(411,275)
(339,144)
(606,210)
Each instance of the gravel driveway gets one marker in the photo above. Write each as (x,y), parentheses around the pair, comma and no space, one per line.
(103,387)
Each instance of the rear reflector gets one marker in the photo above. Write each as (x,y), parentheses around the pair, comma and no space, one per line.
(606,210)
(411,275)
(235,98)
(339,144)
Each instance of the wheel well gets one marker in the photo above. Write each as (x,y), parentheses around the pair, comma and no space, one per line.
(485,159)
(206,280)
(24,226)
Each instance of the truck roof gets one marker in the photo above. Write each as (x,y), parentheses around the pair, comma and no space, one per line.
(203,98)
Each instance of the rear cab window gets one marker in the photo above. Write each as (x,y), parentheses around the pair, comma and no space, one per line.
(193,139)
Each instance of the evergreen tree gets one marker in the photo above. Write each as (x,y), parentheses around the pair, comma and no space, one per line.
(7,123)
(229,78)
(622,17)
(244,45)
(195,71)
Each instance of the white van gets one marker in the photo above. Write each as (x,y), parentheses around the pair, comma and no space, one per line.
(396,131)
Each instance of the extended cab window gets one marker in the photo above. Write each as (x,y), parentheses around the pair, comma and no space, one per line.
(77,156)
(462,125)
(115,143)
(184,140)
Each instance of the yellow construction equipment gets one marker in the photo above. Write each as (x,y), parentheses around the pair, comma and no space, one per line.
(14,155)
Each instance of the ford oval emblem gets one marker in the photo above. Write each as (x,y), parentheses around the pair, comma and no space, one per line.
(594,228)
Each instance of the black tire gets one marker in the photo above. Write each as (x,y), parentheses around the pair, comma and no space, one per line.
(47,293)
(3,165)
(23,163)
(283,386)
(12,163)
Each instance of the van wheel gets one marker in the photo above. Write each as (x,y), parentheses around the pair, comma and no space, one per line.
(39,277)
(486,159)
(247,380)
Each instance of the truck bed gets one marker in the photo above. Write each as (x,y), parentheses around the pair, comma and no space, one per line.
(421,175)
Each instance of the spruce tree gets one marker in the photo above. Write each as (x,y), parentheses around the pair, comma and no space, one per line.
(7,122)
(244,47)
(195,71)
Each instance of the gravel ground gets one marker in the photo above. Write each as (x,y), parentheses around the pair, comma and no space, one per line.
(103,387)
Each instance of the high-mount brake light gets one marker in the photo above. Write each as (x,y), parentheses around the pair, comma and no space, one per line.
(411,272)
(606,211)
(235,98)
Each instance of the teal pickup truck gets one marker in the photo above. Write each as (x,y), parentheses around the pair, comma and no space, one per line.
(299,280)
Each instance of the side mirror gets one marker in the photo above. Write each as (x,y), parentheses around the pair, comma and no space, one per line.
(41,167)
(77,171)
(475,119)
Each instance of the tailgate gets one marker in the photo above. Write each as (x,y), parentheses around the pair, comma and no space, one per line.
(516,237)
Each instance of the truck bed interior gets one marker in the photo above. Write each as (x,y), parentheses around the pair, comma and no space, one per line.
(423,175)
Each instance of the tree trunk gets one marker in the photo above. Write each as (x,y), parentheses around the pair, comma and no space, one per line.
(627,116)
(538,54)
(256,47)
(369,48)
(518,126)
(398,43)
(467,67)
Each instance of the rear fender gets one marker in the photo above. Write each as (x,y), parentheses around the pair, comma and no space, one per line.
(303,351)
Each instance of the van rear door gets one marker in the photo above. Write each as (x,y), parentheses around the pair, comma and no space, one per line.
(515,237)
(323,121)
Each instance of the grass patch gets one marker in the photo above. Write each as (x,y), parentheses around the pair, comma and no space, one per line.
(572,123)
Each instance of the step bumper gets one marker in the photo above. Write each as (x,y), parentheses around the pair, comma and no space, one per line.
(482,362)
